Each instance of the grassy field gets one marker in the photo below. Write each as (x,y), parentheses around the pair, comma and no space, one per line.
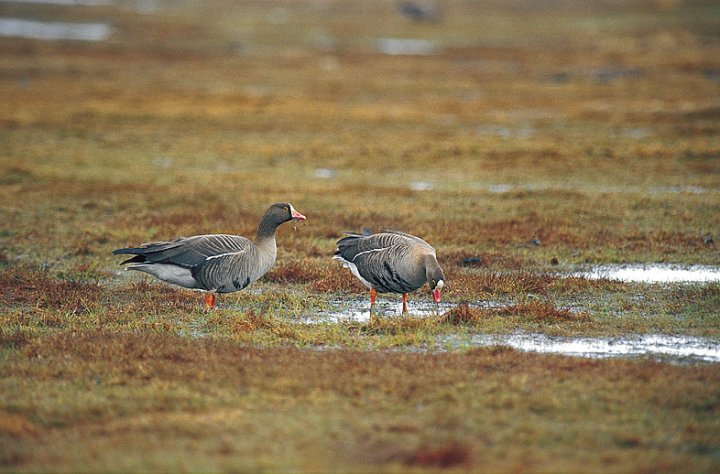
(534,137)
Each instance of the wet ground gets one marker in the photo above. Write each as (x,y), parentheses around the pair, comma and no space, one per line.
(655,346)
(358,310)
(680,349)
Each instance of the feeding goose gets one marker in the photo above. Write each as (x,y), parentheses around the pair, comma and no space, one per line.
(213,263)
(391,262)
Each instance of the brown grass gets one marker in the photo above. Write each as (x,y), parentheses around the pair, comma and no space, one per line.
(41,300)
(601,124)
(500,283)
(536,311)
(443,457)
(36,288)
(542,312)
(298,271)
(17,427)
(371,410)
(463,314)
(338,279)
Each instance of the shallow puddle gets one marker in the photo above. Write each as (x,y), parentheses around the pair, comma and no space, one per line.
(658,346)
(54,30)
(655,273)
(501,188)
(359,311)
(421,186)
(73,3)
(406,47)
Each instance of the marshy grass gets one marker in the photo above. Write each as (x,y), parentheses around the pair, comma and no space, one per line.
(536,311)
(346,408)
(521,149)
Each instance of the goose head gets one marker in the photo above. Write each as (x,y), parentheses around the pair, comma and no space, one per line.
(277,214)
(436,280)
(282,212)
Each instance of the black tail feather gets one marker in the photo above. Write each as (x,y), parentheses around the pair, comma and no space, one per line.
(137,257)
(128,250)
(347,247)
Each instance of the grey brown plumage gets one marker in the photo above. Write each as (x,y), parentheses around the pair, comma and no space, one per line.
(217,263)
(391,262)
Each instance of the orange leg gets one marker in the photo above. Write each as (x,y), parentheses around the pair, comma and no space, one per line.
(373,296)
(405,303)
(210,299)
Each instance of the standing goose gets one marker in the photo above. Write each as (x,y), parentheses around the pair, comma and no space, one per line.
(213,263)
(391,262)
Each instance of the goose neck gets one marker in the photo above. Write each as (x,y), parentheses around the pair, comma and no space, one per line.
(433,271)
(267,249)
(266,229)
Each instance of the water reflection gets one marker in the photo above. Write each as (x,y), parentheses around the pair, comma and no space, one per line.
(500,188)
(359,310)
(654,273)
(653,345)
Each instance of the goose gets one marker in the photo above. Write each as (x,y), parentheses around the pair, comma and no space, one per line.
(391,262)
(213,263)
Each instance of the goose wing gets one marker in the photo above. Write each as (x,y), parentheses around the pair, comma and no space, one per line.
(416,240)
(229,272)
(354,244)
(385,260)
(187,252)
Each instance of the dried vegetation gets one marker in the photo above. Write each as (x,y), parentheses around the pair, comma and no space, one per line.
(533,140)
(352,408)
